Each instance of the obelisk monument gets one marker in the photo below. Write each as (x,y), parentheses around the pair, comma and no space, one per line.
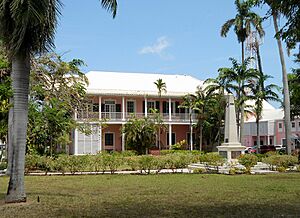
(231,148)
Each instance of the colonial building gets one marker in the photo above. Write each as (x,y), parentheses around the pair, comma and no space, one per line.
(115,97)
(271,128)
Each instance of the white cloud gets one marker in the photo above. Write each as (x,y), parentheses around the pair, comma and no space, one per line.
(158,48)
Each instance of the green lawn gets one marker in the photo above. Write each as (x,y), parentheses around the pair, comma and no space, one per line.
(173,195)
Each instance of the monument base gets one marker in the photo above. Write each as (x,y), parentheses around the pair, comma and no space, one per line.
(231,151)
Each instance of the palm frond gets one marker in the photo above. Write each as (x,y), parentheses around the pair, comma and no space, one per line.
(111,6)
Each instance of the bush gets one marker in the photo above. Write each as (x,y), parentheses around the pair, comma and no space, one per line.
(3,165)
(278,161)
(248,160)
(212,159)
(146,163)
(199,170)
(111,161)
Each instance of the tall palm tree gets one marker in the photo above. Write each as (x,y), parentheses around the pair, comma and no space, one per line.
(199,106)
(161,87)
(189,103)
(286,94)
(242,23)
(26,27)
(260,93)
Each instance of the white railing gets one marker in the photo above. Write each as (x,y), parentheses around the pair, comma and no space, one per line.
(118,116)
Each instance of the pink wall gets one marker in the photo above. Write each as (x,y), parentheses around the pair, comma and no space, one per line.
(116,129)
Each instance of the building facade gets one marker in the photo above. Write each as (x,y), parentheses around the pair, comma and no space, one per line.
(271,128)
(116,97)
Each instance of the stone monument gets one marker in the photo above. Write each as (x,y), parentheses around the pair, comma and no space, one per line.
(231,148)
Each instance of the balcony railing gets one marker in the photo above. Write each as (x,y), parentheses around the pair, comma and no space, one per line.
(118,116)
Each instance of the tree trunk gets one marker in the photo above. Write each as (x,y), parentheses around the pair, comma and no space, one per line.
(9,139)
(257,136)
(242,106)
(286,95)
(191,131)
(200,136)
(20,85)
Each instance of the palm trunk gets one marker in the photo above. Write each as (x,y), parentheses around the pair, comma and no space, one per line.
(9,139)
(191,131)
(242,106)
(20,85)
(200,135)
(286,95)
(257,136)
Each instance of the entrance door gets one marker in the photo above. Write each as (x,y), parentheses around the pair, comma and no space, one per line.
(110,110)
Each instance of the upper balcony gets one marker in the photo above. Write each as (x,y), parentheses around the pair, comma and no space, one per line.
(115,117)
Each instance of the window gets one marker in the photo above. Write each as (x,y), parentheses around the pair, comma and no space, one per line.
(280,127)
(130,106)
(173,138)
(109,139)
(188,135)
(151,104)
(293,124)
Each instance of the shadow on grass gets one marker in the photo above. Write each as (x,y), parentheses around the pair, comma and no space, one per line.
(147,209)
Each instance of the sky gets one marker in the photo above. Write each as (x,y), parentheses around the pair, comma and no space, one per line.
(159,36)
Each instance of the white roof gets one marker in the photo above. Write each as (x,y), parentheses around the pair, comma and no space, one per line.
(121,83)
(269,112)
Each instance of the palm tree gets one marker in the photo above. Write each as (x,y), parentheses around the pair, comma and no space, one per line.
(189,103)
(242,23)
(26,28)
(161,87)
(233,80)
(261,93)
(286,94)
(199,106)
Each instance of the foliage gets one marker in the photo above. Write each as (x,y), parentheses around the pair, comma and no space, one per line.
(5,94)
(57,91)
(248,160)
(139,134)
(294,88)
(280,161)
(212,159)
(3,165)
(179,145)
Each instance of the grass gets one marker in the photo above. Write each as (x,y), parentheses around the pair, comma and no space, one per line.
(173,195)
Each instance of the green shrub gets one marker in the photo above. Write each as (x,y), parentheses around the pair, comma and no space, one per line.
(146,163)
(212,159)
(199,170)
(277,161)
(3,165)
(281,169)
(111,161)
(31,162)
(248,161)
(61,163)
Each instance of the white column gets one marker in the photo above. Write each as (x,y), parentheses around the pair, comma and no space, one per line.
(170,109)
(100,103)
(123,140)
(100,137)
(76,142)
(146,107)
(170,136)
(123,108)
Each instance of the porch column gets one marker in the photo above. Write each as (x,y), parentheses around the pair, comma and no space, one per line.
(100,138)
(100,103)
(76,141)
(123,140)
(170,136)
(123,108)
(170,109)
(146,109)
(268,140)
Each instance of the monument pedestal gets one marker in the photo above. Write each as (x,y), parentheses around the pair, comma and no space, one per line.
(231,150)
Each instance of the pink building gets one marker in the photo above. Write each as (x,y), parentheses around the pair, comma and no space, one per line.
(272,131)
(114,97)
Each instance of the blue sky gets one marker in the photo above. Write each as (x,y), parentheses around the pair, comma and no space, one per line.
(158,36)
